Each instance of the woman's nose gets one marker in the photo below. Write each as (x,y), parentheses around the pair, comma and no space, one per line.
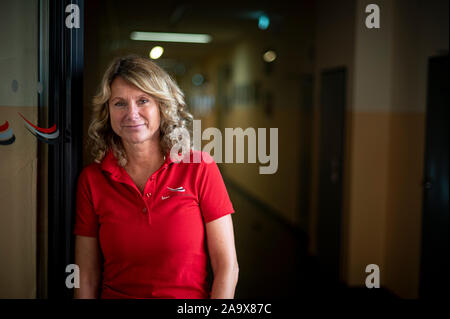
(133,109)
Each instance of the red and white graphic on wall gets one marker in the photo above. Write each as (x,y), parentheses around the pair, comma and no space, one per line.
(46,135)
(6,134)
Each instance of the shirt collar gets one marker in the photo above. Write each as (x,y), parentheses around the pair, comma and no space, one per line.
(110,164)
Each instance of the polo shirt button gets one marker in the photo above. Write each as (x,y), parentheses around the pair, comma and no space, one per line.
(148,194)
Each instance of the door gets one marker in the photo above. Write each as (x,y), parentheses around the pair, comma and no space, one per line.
(332,124)
(434,261)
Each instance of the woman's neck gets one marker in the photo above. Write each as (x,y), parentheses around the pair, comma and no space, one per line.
(143,156)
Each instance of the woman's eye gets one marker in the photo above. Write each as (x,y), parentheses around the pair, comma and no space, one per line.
(143,101)
(120,104)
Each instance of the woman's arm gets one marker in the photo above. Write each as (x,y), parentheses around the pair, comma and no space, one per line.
(220,239)
(88,258)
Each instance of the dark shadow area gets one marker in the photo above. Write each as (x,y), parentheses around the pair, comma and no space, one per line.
(274,261)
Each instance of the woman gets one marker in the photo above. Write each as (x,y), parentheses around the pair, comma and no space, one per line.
(146,224)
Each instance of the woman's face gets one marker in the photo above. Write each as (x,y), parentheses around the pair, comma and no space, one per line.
(134,114)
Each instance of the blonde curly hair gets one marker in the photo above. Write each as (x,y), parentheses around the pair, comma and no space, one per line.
(153,80)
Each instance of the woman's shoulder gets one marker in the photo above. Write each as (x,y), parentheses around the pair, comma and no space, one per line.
(90,171)
(199,157)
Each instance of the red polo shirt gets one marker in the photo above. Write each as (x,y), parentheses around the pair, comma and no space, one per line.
(154,245)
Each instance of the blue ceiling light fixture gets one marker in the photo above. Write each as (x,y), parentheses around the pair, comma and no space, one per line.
(263,22)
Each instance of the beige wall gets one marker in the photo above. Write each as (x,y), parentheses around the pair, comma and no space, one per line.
(18,174)
(280,191)
(368,173)
(18,161)
(334,44)
(387,141)
(404,204)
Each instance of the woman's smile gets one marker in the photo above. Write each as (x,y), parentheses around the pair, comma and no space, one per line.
(133,126)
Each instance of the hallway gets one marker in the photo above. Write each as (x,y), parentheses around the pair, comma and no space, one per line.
(273,258)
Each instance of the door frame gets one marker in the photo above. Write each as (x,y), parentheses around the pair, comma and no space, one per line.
(65,157)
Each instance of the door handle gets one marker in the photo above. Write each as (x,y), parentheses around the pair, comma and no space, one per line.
(427,184)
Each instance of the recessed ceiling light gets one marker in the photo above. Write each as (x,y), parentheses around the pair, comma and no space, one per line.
(156,52)
(269,56)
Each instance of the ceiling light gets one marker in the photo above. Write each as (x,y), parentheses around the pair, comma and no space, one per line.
(197,79)
(263,22)
(170,37)
(269,56)
(156,52)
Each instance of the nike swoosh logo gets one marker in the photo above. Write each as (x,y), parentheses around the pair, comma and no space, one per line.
(164,197)
(178,189)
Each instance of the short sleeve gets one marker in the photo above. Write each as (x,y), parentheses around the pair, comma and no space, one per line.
(213,196)
(86,220)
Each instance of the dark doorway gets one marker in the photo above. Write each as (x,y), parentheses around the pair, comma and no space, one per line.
(332,124)
(434,260)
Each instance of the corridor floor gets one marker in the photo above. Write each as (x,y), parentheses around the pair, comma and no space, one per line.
(273,258)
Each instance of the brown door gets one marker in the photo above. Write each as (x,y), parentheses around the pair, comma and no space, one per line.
(332,124)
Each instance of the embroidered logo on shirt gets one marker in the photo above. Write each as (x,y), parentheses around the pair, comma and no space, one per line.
(178,189)
(164,197)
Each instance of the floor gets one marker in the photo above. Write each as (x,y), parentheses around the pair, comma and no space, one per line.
(273,258)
